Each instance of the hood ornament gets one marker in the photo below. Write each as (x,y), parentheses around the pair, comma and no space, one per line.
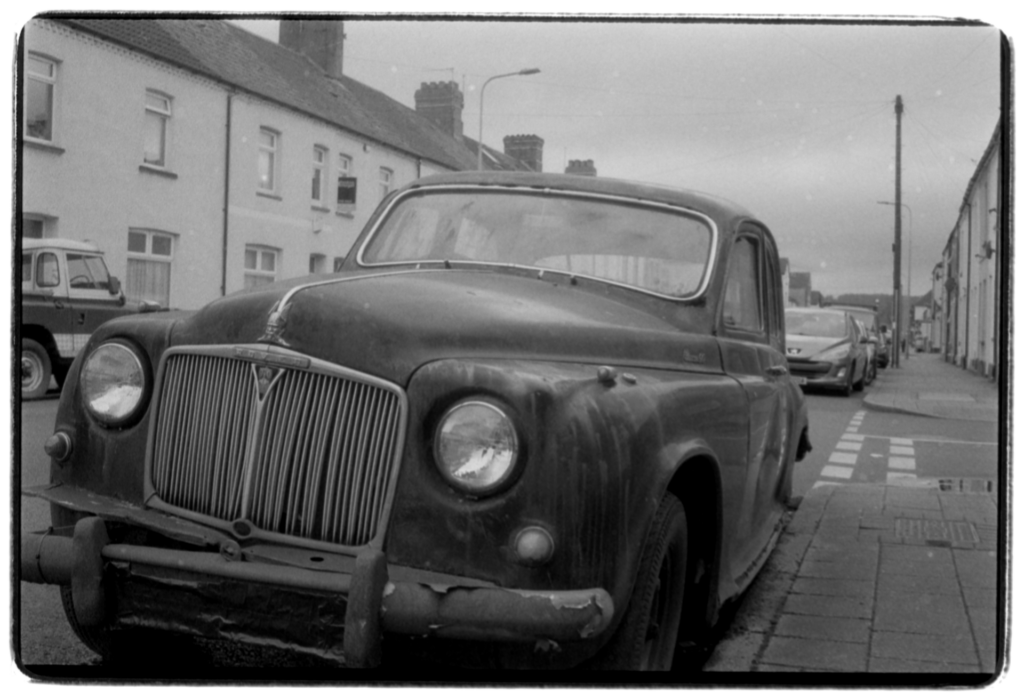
(275,325)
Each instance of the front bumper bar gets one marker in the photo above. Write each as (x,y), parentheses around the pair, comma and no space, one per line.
(375,603)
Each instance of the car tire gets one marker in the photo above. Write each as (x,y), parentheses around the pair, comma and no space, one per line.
(646,638)
(35,369)
(859,384)
(848,388)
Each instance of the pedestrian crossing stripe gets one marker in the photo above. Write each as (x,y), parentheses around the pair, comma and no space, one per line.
(837,472)
(901,441)
(852,436)
(901,450)
(843,457)
(854,446)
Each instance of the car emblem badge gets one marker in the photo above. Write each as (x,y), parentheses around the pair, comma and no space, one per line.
(264,378)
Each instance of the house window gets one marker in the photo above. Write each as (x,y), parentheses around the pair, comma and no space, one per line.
(40,86)
(260,266)
(317,264)
(346,184)
(149,267)
(385,182)
(319,174)
(158,114)
(269,146)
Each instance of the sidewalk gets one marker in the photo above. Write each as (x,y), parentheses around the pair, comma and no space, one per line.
(876,577)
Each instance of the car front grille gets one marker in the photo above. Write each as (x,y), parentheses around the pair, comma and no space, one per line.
(811,370)
(292,446)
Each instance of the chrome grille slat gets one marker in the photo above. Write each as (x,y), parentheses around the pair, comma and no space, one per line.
(310,456)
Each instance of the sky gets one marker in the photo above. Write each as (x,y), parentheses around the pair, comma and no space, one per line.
(794,121)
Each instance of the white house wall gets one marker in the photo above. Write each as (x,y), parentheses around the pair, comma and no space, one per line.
(289,221)
(92,184)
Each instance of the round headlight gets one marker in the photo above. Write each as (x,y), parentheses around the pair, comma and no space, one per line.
(113,382)
(476,447)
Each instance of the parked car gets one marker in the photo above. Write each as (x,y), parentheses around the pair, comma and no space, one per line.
(536,421)
(869,317)
(871,349)
(66,293)
(826,348)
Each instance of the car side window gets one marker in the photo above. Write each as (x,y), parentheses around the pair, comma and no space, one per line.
(742,308)
(47,270)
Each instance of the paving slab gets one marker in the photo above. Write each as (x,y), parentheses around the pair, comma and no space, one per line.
(956,649)
(921,613)
(831,628)
(816,654)
(827,605)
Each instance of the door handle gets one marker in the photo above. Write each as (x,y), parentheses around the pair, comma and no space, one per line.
(58,304)
(777,371)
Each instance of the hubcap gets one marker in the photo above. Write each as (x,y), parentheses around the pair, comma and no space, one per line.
(31,372)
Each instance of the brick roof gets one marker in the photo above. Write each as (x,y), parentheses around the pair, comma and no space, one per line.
(234,56)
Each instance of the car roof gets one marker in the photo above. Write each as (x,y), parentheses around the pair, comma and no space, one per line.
(65,243)
(706,203)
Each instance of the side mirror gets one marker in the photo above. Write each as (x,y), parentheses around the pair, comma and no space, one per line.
(115,285)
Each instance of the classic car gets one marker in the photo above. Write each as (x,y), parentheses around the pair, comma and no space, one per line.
(541,421)
(66,294)
(826,348)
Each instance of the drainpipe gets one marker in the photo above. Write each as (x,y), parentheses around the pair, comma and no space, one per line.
(227,181)
(967,312)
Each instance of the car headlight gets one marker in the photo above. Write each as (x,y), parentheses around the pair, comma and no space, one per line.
(835,354)
(113,382)
(476,446)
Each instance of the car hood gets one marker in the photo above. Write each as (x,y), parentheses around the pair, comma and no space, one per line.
(807,346)
(388,324)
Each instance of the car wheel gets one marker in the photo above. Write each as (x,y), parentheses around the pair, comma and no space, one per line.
(848,388)
(859,384)
(646,637)
(35,369)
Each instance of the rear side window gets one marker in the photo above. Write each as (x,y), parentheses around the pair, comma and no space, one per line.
(742,307)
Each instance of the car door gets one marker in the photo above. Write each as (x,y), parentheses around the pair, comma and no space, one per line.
(751,337)
(90,296)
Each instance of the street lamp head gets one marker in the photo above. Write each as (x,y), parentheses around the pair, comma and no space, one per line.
(529,71)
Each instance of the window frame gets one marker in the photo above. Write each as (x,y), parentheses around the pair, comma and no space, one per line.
(320,175)
(164,117)
(40,256)
(260,251)
(345,167)
(386,182)
(273,151)
(148,256)
(49,80)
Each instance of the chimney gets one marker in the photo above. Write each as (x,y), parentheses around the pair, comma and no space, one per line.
(320,40)
(441,103)
(528,149)
(581,167)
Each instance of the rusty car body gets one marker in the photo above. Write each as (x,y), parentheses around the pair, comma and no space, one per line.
(528,414)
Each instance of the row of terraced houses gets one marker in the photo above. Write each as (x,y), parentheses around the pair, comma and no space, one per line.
(203,159)
(967,303)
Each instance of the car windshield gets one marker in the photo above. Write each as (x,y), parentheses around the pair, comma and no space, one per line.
(820,325)
(658,249)
(87,272)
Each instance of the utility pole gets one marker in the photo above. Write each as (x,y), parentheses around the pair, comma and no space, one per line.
(897,247)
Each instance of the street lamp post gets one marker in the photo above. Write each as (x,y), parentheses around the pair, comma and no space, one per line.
(480,142)
(910,250)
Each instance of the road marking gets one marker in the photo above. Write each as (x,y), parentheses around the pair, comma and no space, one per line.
(825,483)
(843,457)
(855,446)
(837,472)
(901,441)
(894,477)
(910,441)
(901,450)
(906,463)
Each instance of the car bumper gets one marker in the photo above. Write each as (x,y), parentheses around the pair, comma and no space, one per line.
(340,616)
(826,375)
